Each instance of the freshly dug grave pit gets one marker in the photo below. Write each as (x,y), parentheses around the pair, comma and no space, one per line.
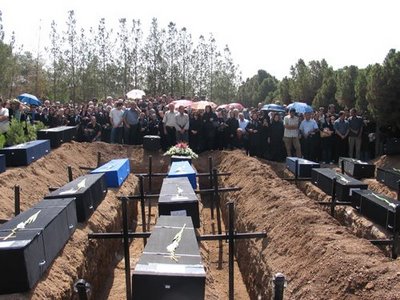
(321,258)
(216,278)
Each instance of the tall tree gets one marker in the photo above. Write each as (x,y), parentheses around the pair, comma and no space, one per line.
(124,59)
(155,59)
(137,68)
(70,53)
(345,83)
(185,49)
(104,48)
(360,89)
(201,66)
(284,90)
(302,85)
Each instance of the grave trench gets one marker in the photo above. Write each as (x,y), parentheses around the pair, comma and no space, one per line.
(347,216)
(216,279)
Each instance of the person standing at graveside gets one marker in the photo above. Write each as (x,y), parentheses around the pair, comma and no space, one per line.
(116,119)
(182,125)
(356,125)
(233,125)
(291,133)
(153,124)
(275,139)
(163,137)
(241,133)
(265,121)
(342,130)
(308,129)
(253,130)
(220,139)
(131,122)
(143,127)
(327,133)
(4,118)
(195,125)
(210,125)
(92,131)
(169,123)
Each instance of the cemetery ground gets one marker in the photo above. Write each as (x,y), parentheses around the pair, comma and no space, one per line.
(322,257)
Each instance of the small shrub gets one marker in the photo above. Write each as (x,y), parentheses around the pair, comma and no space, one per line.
(16,133)
(2,140)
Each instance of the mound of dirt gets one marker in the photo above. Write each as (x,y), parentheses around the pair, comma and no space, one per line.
(321,259)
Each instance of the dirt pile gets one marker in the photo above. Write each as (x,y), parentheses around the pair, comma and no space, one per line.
(321,259)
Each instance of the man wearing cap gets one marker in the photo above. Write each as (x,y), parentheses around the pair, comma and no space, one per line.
(291,133)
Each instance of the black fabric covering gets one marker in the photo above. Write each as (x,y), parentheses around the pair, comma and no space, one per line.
(170,203)
(304,166)
(158,276)
(371,205)
(58,135)
(24,154)
(356,168)
(87,198)
(345,185)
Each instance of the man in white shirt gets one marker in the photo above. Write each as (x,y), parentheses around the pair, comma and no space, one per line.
(182,125)
(169,122)
(116,120)
(308,129)
(4,117)
(241,131)
(291,133)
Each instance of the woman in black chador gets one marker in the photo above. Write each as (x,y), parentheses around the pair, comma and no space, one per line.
(275,138)
(253,130)
(195,131)
(210,124)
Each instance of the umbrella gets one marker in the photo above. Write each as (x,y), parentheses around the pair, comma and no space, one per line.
(273,107)
(135,94)
(231,106)
(29,99)
(203,104)
(300,107)
(185,103)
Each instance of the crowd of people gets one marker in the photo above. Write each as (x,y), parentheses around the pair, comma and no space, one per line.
(320,136)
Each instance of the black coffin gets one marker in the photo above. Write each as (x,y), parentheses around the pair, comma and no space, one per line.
(345,185)
(25,254)
(158,276)
(304,166)
(379,208)
(89,191)
(357,168)
(2,163)
(179,203)
(58,135)
(389,177)
(392,146)
(24,154)
(151,142)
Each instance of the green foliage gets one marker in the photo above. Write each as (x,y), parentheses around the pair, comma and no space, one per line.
(16,133)
(345,86)
(2,141)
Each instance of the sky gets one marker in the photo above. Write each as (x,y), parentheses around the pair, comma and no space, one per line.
(261,34)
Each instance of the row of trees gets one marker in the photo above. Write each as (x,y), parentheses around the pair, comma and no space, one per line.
(80,64)
(374,89)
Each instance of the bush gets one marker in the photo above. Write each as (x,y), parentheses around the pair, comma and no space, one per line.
(2,140)
(16,133)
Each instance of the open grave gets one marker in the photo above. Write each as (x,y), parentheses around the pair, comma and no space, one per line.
(321,258)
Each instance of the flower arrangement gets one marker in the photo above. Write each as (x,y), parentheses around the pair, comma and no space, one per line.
(181,149)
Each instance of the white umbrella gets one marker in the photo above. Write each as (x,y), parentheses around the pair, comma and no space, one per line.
(135,94)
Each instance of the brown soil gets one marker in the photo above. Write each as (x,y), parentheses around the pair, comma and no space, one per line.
(321,258)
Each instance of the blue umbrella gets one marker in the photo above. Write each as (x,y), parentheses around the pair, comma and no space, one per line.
(300,107)
(273,107)
(29,99)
